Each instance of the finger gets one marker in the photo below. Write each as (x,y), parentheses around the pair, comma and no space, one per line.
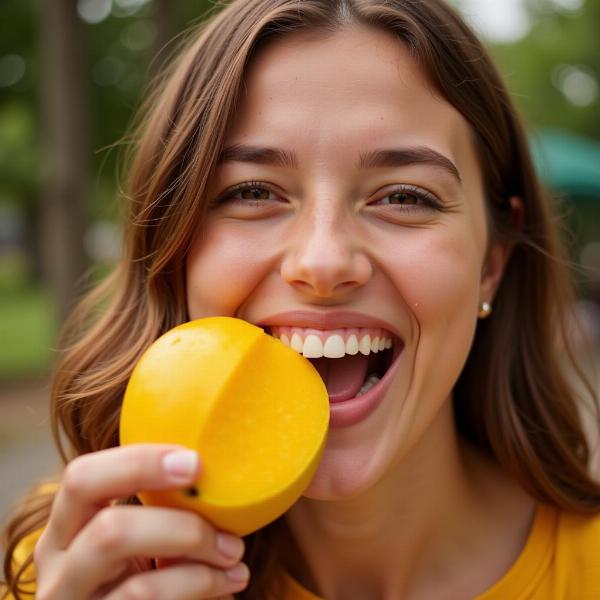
(118,534)
(92,480)
(183,582)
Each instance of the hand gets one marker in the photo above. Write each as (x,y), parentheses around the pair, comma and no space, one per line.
(92,549)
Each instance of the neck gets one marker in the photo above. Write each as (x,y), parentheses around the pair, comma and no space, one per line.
(417,531)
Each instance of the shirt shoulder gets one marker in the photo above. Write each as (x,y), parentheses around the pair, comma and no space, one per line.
(560,561)
(577,556)
(580,531)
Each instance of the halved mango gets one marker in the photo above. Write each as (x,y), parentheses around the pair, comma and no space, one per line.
(256,411)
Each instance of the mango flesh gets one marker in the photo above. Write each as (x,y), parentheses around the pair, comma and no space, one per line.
(256,411)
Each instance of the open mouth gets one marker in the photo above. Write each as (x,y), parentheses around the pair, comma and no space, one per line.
(355,360)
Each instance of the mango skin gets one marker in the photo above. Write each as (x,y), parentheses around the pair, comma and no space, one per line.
(255,410)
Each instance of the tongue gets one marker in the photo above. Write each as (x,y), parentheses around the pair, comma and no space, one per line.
(343,376)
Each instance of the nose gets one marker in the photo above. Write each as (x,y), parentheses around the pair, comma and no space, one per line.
(324,258)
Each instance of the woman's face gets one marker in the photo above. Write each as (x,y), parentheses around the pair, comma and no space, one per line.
(369,199)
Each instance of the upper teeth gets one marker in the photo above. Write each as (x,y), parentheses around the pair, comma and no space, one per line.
(333,345)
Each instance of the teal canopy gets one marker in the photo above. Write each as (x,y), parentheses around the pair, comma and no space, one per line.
(567,162)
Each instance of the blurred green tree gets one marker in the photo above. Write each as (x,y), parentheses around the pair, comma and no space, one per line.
(65,144)
(554,72)
(71,75)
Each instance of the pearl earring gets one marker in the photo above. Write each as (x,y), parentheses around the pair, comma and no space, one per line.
(485,310)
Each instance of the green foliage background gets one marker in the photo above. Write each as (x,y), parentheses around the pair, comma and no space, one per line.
(529,65)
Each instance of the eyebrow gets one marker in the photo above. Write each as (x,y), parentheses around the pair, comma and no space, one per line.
(397,157)
(401,157)
(259,155)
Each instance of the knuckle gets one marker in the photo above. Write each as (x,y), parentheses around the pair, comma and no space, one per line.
(138,470)
(208,580)
(39,550)
(138,464)
(198,532)
(74,476)
(46,590)
(138,588)
(108,530)
(42,593)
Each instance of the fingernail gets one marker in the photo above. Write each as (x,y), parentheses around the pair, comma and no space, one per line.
(238,573)
(181,463)
(229,545)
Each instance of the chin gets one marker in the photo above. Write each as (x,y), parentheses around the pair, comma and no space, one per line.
(342,476)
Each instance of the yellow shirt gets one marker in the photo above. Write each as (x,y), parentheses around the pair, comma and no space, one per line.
(560,561)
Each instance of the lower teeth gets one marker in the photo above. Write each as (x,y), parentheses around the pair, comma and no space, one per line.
(368,384)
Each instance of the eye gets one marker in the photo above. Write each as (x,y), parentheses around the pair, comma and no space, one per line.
(251,193)
(409,197)
(254,193)
(402,198)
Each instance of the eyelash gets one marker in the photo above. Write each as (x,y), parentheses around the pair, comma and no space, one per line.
(427,198)
(429,201)
(248,185)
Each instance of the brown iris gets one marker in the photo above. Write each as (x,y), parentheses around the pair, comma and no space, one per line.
(402,198)
(255,193)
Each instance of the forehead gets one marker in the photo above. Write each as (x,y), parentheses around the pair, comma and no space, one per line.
(328,93)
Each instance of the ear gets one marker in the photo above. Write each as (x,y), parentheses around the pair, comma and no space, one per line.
(498,255)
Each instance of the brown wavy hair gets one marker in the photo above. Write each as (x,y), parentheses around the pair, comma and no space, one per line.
(515,398)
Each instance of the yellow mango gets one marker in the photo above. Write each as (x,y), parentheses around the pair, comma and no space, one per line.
(256,411)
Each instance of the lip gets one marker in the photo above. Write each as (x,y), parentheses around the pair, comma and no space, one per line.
(338,319)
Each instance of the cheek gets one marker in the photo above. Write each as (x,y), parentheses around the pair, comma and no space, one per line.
(447,282)
(439,282)
(436,274)
(223,268)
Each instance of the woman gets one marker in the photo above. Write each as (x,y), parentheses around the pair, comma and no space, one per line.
(334,167)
